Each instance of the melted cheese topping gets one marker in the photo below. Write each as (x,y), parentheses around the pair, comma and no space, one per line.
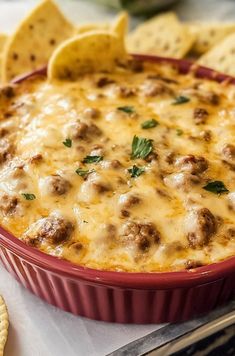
(153,222)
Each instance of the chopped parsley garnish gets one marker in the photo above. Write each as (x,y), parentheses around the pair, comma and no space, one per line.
(216,187)
(181,100)
(68,142)
(141,147)
(149,124)
(92,159)
(179,132)
(126,109)
(136,171)
(84,172)
(29,196)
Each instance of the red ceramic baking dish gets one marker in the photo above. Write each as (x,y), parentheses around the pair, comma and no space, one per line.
(120,296)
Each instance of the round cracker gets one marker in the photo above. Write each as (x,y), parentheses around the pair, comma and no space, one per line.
(4,324)
(90,52)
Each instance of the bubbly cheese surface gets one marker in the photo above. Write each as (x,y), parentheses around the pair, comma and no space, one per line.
(74,184)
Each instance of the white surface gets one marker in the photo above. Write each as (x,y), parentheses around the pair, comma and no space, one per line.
(36,328)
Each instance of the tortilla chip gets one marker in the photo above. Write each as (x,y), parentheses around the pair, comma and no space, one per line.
(3,39)
(92,27)
(120,24)
(162,35)
(35,39)
(0,67)
(90,52)
(4,324)
(207,35)
(221,57)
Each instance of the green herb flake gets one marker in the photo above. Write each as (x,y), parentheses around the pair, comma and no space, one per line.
(149,124)
(29,196)
(92,159)
(126,109)
(216,187)
(68,142)
(179,132)
(181,100)
(136,171)
(141,147)
(84,172)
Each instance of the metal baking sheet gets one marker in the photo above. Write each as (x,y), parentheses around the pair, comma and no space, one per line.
(175,337)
